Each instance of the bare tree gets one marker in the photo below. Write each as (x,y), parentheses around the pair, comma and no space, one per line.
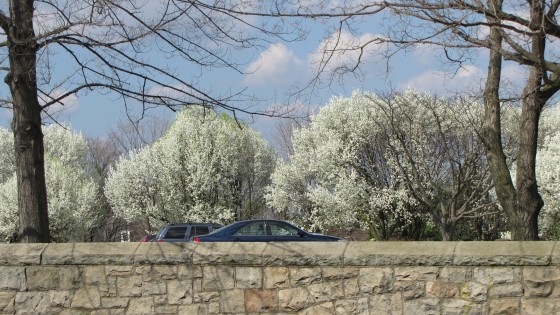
(55,49)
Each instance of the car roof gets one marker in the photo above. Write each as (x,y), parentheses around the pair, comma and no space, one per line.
(194,223)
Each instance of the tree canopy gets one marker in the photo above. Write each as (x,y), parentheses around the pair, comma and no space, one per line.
(207,167)
(72,187)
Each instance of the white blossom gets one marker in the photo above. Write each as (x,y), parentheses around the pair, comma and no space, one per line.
(207,167)
(72,191)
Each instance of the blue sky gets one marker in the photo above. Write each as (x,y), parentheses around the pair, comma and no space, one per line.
(274,70)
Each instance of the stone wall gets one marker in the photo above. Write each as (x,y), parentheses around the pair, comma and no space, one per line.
(281,278)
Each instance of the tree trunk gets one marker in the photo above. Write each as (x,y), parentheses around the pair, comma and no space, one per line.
(26,124)
(524,225)
(521,205)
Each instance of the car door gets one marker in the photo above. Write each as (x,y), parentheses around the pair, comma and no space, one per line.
(251,232)
(281,232)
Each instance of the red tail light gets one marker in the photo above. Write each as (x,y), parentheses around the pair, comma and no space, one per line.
(160,241)
(196,240)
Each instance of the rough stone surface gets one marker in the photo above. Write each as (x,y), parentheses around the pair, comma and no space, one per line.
(487,278)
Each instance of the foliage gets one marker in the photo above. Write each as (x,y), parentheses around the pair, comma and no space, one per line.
(207,167)
(548,173)
(392,164)
(338,175)
(72,190)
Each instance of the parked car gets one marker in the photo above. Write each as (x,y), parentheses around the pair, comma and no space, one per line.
(183,232)
(263,231)
(148,238)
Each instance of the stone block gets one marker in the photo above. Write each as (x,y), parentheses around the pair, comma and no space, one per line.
(70,278)
(326,308)
(390,304)
(238,253)
(497,275)
(276,277)
(504,307)
(375,280)
(441,289)
(164,253)
(12,278)
(327,291)
(540,282)
(166,309)
(232,301)
(474,291)
(113,302)
(32,302)
(399,253)
(304,276)
(160,272)
(180,291)
(293,299)
(7,300)
(540,306)
(218,278)
(410,289)
(461,307)
(87,297)
(353,306)
(88,253)
(119,271)
(425,306)
(351,287)
(60,298)
(338,273)
(505,290)
(248,277)
(304,254)
(455,274)
(197,309)
(141,306)
(189,272)
(129,286)
(261,301)
(416,273)
(156,287)
(42,278)
(21,254)
(503,253)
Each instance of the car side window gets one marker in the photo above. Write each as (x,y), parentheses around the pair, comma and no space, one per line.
(176,232)
(252,229)
(199,230)
(279,229)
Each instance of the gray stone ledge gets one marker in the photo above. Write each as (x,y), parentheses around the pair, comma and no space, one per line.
(399,253)
(237,253)
(504,253)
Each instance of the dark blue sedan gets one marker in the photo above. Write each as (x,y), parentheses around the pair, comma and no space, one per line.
(263,231)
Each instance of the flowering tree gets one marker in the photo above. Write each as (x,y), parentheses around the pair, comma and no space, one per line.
(438,157)
(548,173)
(207,167)
(72,188)
(371,160)
(338,174)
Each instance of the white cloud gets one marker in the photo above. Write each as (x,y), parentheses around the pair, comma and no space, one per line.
(424,54)
(342,51)
(467,78)
(278,65)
